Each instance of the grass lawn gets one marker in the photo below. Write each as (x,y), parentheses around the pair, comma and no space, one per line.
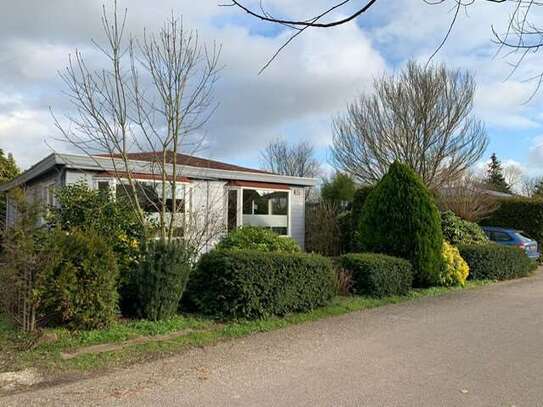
(18,351)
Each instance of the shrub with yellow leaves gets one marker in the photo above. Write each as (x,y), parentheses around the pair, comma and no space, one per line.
(455,269)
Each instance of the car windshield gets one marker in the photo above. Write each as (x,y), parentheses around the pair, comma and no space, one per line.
(523,238)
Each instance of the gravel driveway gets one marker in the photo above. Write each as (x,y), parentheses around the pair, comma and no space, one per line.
(481,347)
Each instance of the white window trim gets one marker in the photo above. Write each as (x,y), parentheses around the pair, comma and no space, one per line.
(49,198)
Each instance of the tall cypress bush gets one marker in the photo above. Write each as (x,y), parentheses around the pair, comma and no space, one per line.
(359,199)
(161,278)
(400,218)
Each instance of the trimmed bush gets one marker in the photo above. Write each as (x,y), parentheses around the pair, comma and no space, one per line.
(114,219)
(495,262)
(359,200)
(257,238)
(161,278)
(459,231)
(378,275)
(525,214)
(80,288)
(401,219)
(455,270)
(253,284)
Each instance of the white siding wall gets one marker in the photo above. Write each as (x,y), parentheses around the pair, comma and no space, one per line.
(297,215)
(11,212)
(208,205)
(38,192)
(73,177)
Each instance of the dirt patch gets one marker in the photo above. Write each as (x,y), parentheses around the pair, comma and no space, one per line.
(112,347)
(12,380)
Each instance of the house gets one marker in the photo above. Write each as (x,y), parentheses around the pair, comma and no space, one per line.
(230,195)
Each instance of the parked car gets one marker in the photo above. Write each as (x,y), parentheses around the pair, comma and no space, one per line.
(512,237)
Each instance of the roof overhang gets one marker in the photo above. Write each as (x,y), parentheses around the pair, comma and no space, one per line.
(258,185)
(41,167)
(101,164)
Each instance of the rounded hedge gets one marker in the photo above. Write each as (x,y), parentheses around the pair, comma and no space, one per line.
(378,275)
(253,284)
(496,262)
(80,287)
(258,238)
(400,218)
(459,231)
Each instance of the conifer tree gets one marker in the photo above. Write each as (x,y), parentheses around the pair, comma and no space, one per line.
(8,171)
(494,178)
(400,218)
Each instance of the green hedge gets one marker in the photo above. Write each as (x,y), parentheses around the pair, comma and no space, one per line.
(161,278)
(524,214)
(401,219)
(253,284)
(377,274)
(80,286)
(495,262)
(459,231)
(258,238)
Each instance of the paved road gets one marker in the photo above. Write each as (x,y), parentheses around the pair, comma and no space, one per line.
(481,347)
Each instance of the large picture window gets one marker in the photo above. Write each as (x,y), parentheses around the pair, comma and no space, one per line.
(266,209)
(150,195)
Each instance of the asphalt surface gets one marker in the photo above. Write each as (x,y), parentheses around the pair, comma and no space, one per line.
(481,347)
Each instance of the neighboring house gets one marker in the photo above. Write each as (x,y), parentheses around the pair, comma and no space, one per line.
(230,195)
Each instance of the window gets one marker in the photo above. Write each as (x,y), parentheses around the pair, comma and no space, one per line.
(260,202)
(48,198)
(232,209)
(266,208)
(280,230)
(279,203)
(103,186)
(501,237)
(149,195)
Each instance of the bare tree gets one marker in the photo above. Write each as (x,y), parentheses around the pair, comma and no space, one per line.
(422,117)
(513,175)
(155,96)
(532,187)
(297,160)
(468,198)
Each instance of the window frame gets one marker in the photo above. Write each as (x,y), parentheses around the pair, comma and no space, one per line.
(114,181)
(496,232)
(240,213)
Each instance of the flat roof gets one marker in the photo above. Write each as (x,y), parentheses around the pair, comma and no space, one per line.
(207,169)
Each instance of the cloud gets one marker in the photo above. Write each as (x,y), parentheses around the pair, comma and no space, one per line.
(536,152)
(303,83)
(312,79)
(309,81)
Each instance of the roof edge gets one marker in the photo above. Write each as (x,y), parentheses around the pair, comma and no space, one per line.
(96,163)
(34,171)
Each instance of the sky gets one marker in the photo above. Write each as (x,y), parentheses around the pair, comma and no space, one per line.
(309,83)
